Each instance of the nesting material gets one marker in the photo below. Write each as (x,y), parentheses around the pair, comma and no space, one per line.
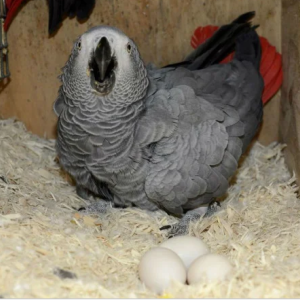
(48,249)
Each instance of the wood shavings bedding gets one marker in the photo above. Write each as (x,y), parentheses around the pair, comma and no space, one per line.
(50,250)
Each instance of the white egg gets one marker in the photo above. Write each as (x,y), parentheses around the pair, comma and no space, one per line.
(188,248)
(159,267)
(209,267)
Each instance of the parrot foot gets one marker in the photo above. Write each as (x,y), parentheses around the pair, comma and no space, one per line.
(213,207)
(182,227)
(98,205)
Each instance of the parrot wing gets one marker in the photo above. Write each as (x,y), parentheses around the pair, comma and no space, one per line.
(215,113)
(192,164)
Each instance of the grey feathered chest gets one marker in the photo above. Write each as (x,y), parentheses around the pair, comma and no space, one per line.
(175,149)
(100,146)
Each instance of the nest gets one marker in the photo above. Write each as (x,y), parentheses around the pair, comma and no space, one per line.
(48,249)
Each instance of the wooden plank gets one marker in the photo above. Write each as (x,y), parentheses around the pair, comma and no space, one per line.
(289,128)
(161,28)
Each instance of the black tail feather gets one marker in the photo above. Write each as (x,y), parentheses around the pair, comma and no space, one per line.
(248,48)
(222,48)
(221,44)
(244,18)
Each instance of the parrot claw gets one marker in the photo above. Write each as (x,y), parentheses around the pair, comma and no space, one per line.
(97,206)
(165,227)
(182,227)
(213,207)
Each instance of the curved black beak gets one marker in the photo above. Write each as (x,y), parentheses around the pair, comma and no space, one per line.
(103,57)
(102,66)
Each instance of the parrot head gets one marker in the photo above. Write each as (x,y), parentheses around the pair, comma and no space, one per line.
(106,63)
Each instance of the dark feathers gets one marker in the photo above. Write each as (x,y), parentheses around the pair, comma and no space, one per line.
(216,48)
(59,9)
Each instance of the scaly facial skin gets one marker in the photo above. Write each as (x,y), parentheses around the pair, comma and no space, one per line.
(106,63)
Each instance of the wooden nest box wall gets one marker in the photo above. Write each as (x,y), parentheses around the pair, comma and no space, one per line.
(162,29)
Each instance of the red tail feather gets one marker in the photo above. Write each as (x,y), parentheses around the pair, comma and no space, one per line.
(201,34)
(273,70)
(273,86)
(270,66)
(12,7)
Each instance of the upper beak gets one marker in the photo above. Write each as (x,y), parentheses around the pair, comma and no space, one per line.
(103,56)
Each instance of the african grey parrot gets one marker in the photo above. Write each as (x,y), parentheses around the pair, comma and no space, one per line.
(158,138)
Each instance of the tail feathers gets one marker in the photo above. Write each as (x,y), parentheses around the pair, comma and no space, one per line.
(248,48)
(224,34)
(244,18)
(222,50)
(219,46)
(222,43)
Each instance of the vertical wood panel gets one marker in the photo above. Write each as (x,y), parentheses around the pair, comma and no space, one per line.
(290,100)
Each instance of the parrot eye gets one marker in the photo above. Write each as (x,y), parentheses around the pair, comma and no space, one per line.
(128,48)
(79,45)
